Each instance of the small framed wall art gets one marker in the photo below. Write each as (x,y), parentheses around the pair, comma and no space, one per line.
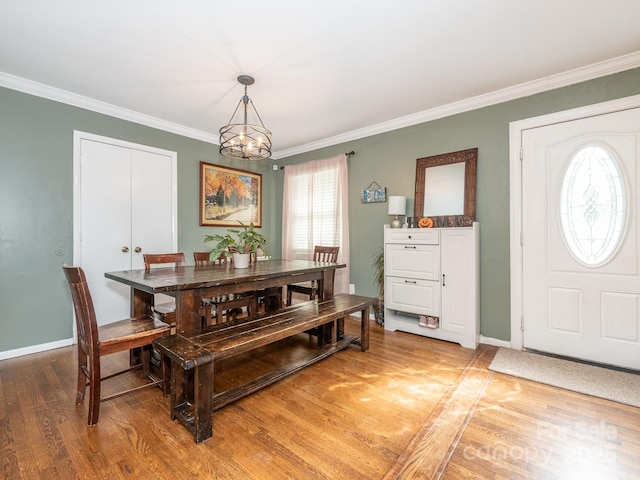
(374,193)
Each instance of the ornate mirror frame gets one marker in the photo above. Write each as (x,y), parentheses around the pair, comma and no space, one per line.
(470,159)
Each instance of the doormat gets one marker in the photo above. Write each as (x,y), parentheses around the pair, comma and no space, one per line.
(607,383)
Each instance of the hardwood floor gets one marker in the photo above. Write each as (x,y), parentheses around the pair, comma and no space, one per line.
(411,407)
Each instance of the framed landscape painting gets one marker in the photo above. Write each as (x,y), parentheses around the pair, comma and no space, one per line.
(229,196)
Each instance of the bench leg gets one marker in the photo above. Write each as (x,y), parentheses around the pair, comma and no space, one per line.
(166,375)
(193,388)
(177,389)
(203,401)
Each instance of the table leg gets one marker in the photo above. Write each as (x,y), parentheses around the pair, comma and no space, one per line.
(141,303)
(364,330)
(325,333)
(325,291)
(188,316)
(340,328)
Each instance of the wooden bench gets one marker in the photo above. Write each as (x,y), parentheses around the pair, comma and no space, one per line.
(192,355)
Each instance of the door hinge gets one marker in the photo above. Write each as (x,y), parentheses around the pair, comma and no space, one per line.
(522,323)
(521,155)
(521,239)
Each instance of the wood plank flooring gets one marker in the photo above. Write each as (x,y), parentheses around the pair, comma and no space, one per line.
(411,407)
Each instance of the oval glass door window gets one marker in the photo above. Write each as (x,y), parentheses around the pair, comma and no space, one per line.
(593,206)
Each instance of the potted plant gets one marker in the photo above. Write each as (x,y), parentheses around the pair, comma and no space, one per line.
(241,243)
(378,277)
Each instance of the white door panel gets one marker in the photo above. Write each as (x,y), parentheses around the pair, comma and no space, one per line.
(571,307)
(124,199)
(152,226)
(152,199)
(106,224)
(457,255)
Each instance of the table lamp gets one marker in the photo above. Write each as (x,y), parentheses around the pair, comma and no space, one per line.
(397,206)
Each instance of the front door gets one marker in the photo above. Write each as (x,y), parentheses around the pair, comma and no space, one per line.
(581,268)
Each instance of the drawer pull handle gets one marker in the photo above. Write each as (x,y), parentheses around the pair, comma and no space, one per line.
(413,282)
(410,246)
(443,284)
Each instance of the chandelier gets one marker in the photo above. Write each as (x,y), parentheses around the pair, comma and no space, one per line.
(245,136)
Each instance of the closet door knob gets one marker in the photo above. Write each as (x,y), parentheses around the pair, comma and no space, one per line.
(137,249)
(125,249)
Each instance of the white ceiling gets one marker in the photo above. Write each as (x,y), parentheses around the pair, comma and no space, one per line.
(326,71)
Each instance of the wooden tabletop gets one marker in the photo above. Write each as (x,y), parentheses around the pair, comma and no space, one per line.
(172,279)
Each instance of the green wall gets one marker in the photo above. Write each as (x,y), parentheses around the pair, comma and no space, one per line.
(390,160)
(36,195)
(36,207)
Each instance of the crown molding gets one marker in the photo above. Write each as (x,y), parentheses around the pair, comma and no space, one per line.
(51,93)
(607,67)
(601,69)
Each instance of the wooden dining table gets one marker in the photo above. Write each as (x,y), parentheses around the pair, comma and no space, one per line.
(190,284)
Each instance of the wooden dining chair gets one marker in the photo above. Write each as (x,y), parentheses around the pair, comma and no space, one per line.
(269,299)
(165,310)
(225,307)
(310,289)
(95,342)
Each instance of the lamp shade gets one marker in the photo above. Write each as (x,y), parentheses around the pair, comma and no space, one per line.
(397,205)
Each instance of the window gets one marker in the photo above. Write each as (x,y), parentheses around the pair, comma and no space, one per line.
(315,210)
(593,206)
(316,193)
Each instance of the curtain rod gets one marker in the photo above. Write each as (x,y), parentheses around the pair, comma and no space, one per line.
(348,154)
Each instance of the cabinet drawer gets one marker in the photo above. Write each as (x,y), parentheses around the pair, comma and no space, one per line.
(412,296)
(428,236)
(413,261)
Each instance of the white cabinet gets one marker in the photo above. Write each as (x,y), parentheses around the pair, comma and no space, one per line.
(433,273)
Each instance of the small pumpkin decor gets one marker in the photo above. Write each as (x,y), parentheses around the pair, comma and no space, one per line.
(425,222)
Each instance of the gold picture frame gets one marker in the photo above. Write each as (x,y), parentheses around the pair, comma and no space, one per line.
(229,196)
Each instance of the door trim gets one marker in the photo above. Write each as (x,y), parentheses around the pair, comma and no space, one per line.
(515,192)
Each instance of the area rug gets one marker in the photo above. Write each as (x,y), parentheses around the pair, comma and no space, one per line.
(610,384)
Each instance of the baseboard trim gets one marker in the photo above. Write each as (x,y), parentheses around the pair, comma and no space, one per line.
(495,342)
(18,352)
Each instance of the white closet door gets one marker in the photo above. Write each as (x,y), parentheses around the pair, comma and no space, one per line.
(125,200)
(153,228)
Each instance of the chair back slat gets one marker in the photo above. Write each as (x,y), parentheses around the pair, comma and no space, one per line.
(325,254)
(202,259)
(177,259)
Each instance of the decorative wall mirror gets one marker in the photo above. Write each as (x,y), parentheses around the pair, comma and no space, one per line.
(446,188)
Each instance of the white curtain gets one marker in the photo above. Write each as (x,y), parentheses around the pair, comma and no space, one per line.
(315,212)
